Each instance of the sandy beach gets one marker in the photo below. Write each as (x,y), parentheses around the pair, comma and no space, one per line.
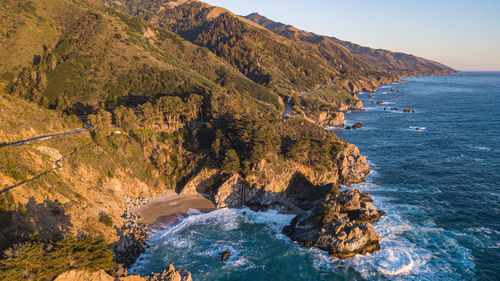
(172,207)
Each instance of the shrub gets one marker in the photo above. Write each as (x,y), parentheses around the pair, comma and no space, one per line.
(324,212)
(106,219)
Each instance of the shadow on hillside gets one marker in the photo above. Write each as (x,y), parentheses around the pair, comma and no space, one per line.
(46,220)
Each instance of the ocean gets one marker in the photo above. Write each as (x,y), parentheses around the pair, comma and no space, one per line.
(436,173)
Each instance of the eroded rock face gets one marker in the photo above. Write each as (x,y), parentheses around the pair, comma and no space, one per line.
(169,274)
(130,245)
(230,193)
(329,119)
(341,225)
(352,167)
(201,182)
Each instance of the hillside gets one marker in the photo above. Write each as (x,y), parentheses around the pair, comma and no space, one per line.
(158,112)
(394,63)
(281,58)
(103,105)
(100,55)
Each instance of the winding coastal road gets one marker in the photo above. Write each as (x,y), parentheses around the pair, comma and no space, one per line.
(23,142)
(288,105)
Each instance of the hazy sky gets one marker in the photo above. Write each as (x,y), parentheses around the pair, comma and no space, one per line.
(464,34)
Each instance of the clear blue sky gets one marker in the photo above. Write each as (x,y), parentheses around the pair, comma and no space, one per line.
(464,34)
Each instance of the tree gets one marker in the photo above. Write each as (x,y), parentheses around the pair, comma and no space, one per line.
(100,124)
(170,106)
(193,106)
(150,115)
(125,118)
(231,163)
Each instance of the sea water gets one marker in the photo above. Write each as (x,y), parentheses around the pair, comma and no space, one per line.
(435,172)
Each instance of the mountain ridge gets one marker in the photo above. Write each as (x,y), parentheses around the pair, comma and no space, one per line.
(397,63)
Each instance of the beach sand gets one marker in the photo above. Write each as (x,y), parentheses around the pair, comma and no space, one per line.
(172,207)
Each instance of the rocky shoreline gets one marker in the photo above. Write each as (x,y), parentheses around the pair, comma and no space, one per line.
(334,221)
(337,222)
(340,225)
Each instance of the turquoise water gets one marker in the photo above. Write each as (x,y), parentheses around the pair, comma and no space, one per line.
(440,187)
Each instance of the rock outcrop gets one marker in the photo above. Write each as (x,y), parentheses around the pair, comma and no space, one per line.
(276,182)
(225,255)
(352,166)
(201,182)
(230,193)
(169,274)
(130,245)
(357,125)
(329,119)
(341,225)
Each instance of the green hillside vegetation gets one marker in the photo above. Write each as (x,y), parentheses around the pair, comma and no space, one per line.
(104,58)
(273,61)
(164,92)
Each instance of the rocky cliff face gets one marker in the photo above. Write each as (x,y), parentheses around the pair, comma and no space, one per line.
(281,183)
(341,225)
(170,274)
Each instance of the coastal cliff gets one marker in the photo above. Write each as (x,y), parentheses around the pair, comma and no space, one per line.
(112,105)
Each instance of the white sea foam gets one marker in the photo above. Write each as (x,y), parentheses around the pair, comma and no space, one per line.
(480,148)
(192,211)
(416,129)
(401,258)
(405,248)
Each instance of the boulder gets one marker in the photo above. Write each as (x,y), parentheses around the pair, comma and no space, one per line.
(341,225)
(225,255)
(380,102)
(357,125)
(394,108)
(348,128)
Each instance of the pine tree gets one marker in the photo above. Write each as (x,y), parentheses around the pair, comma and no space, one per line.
(231,163)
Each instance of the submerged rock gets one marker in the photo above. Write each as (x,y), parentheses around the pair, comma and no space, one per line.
(341,225)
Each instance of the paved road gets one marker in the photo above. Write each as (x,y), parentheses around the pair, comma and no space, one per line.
(288,105)
(56,162)
(23,142)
